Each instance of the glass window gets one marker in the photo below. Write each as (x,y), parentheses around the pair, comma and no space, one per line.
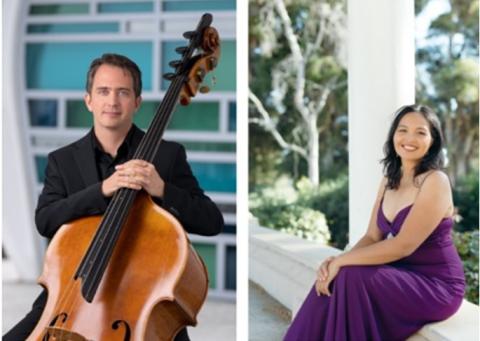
(78,115)
(63,66)
(209,256)
(125,7)
(232,116)
(43,112)
(231,268)
(198,116)
(232,229)
(41,164)
(59,9)
(209,146)
(74,28)
(195,5)
(215,177)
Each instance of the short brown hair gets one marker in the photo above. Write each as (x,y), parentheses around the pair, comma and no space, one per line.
(120,61)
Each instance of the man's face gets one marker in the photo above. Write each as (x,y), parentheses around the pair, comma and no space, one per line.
(112,99)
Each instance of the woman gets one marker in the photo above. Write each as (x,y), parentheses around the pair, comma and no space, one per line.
(405,271)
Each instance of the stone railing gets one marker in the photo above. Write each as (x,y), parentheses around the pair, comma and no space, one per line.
(285,267)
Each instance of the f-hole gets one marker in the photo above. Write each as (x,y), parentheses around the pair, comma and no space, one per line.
(118,323)
(54,320)
(46,337)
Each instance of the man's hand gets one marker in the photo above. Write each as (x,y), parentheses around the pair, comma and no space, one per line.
(135,174)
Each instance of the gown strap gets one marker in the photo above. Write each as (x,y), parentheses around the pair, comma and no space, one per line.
(430,172)
(419,186)
(383,194)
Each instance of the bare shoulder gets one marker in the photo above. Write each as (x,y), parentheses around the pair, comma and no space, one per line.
(436,178)
(437,192)
(435,184)
(384,181)
(382,187)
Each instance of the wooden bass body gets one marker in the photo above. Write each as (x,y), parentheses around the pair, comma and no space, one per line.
(153,286)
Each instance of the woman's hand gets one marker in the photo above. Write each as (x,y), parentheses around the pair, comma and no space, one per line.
(322,283)
(322,271)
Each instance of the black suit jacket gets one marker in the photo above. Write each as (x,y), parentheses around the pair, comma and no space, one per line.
(72,188)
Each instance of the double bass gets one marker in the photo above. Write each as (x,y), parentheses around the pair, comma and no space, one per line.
(131,274)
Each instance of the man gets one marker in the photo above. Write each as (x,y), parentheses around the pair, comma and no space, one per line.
(81,178)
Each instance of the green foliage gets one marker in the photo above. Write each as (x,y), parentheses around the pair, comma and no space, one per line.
(266,157)
(467,246)
(272,74)
(465,197)
(447,80)
(331,198)
(281,207)
(420,5)
(321,213)
(320,68)
(303,222)
(315,207)
(459,78)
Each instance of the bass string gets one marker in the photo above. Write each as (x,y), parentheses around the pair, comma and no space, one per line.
(119,202)
(115,207)
(157,127)
(64,304)
(120,207)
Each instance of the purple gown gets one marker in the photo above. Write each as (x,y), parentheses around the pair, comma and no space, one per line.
(390,301)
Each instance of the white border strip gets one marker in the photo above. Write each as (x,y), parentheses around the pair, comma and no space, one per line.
(242,170)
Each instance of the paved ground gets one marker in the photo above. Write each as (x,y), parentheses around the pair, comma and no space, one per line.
(216,320)
(268,319)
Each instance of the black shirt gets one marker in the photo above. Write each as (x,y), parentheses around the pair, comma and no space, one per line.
(105,162)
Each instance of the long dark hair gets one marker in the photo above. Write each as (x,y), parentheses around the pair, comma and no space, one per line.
(434,159)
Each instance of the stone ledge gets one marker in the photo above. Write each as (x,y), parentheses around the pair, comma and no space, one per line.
(285,267)
(463,325)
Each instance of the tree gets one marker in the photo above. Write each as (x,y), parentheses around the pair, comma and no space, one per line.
(450,81)
(297,62)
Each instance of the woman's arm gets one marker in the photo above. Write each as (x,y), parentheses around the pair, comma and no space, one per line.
(430,207)
(371,236)
(366,240)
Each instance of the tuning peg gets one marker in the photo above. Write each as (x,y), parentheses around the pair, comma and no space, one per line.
(184,100)
(200,74)
(189,34)
(212,61)
(204,89)
(181,49)
(175,63)
(169,76)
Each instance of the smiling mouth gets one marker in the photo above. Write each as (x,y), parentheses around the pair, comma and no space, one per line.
(409,148)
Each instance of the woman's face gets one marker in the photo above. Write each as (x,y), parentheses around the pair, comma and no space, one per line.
(412,138)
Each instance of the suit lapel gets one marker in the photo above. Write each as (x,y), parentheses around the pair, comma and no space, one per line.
(85,159)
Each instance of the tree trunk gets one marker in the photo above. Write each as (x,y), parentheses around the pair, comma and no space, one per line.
(313,150)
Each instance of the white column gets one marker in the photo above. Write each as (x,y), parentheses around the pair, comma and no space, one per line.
(20,238)
(381,78)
